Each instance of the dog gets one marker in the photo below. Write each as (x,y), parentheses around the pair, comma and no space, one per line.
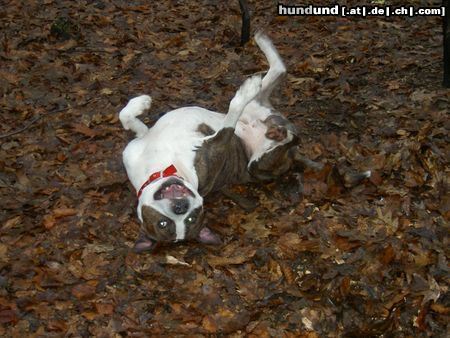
(191,151)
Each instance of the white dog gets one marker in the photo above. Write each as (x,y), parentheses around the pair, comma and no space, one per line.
(192,151)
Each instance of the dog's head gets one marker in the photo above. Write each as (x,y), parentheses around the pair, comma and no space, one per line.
(171,210)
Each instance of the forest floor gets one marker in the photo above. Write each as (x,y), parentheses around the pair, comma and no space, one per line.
(330,258)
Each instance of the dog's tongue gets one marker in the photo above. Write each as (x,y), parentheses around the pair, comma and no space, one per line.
(174,191)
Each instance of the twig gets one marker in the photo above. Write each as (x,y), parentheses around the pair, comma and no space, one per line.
(31,122)
(37,118)
(245,32)
(28,125)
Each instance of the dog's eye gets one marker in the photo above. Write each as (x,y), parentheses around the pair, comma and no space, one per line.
(191,219)
(162,224)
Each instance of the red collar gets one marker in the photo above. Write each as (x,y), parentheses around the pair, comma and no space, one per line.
(169,171)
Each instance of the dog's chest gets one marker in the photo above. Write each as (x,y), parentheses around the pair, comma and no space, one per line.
(174,139)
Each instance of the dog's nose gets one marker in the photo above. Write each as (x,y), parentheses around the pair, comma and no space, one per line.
(180,206)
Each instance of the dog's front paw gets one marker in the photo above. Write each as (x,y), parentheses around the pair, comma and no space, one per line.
(140,103)
(250,88)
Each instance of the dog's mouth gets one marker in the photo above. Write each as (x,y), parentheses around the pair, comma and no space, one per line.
(173,189)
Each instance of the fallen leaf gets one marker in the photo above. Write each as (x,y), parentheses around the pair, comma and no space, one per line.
(209,324)
(64,212)
(215,261)
(83,291)
(8,316)
(104,308)
(175,261)
(85,130)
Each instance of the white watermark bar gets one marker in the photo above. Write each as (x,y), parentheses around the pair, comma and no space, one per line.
(343,11)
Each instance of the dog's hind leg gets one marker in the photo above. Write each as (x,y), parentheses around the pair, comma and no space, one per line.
(276,71)
(134,108)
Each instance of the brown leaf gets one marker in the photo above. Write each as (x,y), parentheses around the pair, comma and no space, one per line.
(64,212)
(209,324)
(49,221)
(8,316)
(291,243)
(229,321)
(388,255)
(287,273)
(439,308)
(85,130)
(12,223)
(83,291)
(104,308)
(345,244)
(3,251)
(89,315)
(57,325)
(345,286)
(375,178)
(215,261)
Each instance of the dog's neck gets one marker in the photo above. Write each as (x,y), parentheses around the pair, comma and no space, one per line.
(167,172)
(187,174)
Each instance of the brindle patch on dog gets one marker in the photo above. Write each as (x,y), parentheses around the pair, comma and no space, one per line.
(221,161)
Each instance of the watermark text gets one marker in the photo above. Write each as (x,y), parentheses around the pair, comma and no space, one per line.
(363,11)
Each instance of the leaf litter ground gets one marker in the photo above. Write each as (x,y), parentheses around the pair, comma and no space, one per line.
(322,255)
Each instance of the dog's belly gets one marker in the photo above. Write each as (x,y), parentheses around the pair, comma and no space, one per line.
(251,128)
(188,119)
(252,135)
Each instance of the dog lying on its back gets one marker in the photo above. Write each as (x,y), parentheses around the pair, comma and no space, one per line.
(192,151)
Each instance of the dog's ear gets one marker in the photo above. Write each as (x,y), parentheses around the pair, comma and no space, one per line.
(143,244)
(208,237)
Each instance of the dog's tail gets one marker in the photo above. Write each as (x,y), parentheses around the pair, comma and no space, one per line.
(134,108)
(246,93)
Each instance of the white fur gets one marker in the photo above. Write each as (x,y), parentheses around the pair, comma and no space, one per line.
(243,97)
(168,142)
(171,142)
(133,109)
(174,137)
(276,71)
